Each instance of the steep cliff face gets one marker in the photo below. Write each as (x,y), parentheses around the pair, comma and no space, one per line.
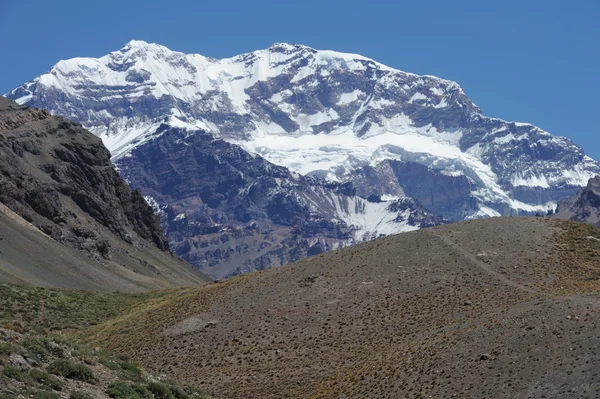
(59,178)
(319,113)
(584,206)
(228,211)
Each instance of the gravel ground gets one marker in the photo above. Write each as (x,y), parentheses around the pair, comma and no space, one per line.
(495,308)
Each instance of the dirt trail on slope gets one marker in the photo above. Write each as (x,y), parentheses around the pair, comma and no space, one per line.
(474,260)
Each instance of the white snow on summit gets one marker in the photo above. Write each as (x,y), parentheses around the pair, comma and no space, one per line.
(314,111)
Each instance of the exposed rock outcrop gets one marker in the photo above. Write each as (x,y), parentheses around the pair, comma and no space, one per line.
(584,206)
(59,178)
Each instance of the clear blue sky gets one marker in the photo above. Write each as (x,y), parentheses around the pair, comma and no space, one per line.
(530,60)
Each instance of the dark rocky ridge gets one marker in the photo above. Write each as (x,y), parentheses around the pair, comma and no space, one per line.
(443,194)
(59,177)
(228,212)
(584,206)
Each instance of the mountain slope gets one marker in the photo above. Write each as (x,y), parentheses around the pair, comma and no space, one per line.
(496,308)
(584,206)
(69,219)
(227,211)
(318,112)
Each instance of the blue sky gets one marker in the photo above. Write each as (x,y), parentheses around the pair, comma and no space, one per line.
(530,60)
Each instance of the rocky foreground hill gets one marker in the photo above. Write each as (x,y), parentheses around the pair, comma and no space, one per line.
(41,359)
(67,219)
(494,308)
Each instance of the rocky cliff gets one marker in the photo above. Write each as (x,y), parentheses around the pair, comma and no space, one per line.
(58,178)
(584,206)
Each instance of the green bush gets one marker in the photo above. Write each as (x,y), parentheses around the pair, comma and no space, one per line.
(120,390)
(12,372)
(45,395)
(46,379)
(143,391)
(160,390)
(80,395)
(36,347)
(71,370)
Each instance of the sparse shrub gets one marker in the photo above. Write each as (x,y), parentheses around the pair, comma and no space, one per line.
(178,392)
(131,371)
(114,366)
(45,395)
(80,395)
(6,349)
(12,372)
(120,390)
(46,379)
(160,390)
(71,370)
(15,326)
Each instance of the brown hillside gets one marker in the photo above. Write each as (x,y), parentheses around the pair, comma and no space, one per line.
(496,308)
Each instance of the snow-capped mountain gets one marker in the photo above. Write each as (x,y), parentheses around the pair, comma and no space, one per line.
(339,116)
(228,211)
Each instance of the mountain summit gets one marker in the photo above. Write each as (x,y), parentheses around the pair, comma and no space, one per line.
(340,116)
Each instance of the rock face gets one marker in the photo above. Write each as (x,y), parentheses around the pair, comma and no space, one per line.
(59,178)
(584,206)
(228,212)
(321,113)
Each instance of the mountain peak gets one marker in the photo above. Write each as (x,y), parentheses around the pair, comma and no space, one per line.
(317,112)
(282,46)
(136,44)
(138,47)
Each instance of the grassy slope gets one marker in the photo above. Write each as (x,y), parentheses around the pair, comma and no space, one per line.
(41,357)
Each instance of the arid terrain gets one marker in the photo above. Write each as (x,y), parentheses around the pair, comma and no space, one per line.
(494,308)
